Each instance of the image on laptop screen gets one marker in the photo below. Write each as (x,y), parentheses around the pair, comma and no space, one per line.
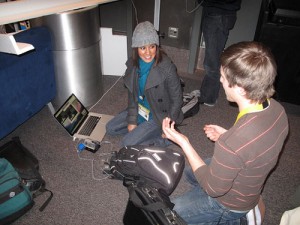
(71,115)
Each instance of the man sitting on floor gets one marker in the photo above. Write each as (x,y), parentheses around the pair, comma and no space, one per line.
(226,187)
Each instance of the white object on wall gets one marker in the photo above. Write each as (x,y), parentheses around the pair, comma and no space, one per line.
(113,52)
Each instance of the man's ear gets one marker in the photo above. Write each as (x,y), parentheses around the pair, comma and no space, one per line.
(239,90)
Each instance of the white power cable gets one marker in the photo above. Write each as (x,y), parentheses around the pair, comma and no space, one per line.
(106,92)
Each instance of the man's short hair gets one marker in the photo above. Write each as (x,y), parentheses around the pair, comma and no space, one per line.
(250,65)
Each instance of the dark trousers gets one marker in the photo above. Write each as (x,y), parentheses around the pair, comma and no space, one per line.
(215,30)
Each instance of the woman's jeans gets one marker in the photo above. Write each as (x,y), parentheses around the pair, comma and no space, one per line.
(215,28)
(198,208)
(146,133)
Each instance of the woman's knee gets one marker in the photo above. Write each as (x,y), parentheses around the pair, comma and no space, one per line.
(110,129)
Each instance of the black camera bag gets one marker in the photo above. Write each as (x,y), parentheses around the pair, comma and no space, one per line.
(158,167)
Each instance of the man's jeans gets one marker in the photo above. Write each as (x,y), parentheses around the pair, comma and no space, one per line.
(146,133)
(215,30)
(198,208)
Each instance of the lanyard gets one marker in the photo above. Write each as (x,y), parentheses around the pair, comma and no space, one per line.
(254,108)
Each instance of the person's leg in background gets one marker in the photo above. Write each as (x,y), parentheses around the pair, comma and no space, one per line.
(215,32)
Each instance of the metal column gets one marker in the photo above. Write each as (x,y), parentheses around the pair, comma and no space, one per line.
(76,52)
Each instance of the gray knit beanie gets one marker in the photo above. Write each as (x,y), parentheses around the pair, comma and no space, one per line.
(144,34)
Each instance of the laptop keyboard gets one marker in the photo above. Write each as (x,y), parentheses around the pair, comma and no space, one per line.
(89,126)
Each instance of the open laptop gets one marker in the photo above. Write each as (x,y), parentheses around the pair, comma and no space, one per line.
(79,122)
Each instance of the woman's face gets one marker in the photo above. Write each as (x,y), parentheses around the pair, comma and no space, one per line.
(147,53)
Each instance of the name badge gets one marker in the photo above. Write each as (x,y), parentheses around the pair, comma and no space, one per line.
(144,112)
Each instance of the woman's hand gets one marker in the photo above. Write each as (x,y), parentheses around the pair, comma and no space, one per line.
(213,132)
(130,127)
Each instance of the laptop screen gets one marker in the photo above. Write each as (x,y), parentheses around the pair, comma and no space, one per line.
(71,114)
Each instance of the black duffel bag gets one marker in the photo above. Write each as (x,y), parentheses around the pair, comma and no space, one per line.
(158,167)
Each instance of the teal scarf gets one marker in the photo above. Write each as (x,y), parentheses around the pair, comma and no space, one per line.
(143,72)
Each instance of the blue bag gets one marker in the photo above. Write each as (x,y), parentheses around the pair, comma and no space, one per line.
(27,166)
(15,197)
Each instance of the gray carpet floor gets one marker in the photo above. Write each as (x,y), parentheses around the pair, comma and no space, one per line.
(84,195)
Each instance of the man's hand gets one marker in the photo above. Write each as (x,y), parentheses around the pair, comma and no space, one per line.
(213,132)
(180,139)
(172,134)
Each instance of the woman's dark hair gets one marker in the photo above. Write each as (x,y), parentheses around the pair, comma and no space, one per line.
(158,56)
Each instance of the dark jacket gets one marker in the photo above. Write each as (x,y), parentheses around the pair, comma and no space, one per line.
(162,90)
(222,6)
